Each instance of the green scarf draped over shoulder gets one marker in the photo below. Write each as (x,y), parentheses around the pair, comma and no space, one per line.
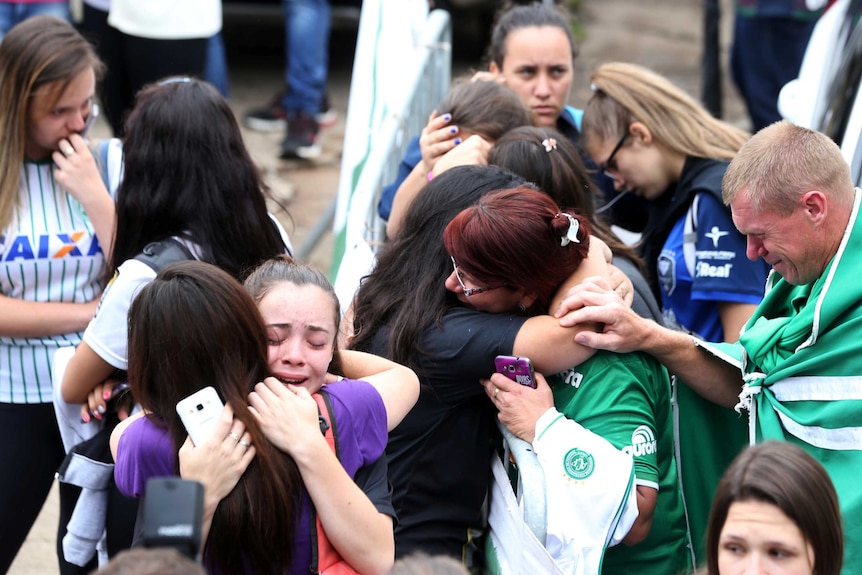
(802,365)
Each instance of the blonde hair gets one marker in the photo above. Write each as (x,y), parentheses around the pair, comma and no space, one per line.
(38,52)
(626,93)
(783,161)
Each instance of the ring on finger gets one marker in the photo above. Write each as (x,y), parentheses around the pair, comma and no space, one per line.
(68,150)
(244,443)
(496,391)
(234,436)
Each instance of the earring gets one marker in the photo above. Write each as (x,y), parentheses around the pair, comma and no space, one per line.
(522,307)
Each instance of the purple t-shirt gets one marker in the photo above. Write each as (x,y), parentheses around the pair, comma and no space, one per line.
(145,451)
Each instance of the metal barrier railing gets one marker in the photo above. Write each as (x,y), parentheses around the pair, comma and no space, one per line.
(425,82)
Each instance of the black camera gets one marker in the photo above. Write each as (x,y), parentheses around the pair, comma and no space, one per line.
(173,512)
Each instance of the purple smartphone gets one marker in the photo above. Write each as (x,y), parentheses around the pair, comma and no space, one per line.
(518,369)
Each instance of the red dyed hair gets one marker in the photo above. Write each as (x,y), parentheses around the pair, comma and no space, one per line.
(512,237)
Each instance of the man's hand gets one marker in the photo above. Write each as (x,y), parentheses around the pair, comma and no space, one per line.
(589,302)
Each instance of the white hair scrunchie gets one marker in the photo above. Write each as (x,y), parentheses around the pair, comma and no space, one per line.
(572,232)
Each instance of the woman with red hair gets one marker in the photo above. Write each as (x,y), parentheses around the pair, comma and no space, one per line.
(520,238)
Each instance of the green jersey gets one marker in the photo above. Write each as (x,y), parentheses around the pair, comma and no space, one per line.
(626,399)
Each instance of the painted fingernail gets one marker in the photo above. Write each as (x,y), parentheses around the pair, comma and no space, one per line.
(100,409)
(106,394)
(447,117)
(85,418)
(97,416)
(457,141)
(454,130)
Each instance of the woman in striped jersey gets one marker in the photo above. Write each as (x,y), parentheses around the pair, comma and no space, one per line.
(56,225)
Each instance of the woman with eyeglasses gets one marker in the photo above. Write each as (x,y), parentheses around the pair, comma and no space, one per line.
(624,398)
(659,143)
(439,456)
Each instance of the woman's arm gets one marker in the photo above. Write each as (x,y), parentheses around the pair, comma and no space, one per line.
(78,174)
(647,497)
(551,347)
(85,371)
(397,384)
(362,535)
(436,139)
(21,318)
(119,429)
(472,152)
(733,318)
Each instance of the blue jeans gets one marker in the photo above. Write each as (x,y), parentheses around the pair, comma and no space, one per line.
(12,13)
(306,29)
(766,54)
(216,67)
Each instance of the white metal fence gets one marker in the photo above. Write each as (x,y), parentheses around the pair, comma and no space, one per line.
(401,72)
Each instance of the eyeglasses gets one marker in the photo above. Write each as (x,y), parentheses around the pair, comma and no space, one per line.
(609,163)
(469,291)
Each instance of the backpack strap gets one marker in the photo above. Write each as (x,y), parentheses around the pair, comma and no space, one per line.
(327,425)
(324,558)
(689,236)
(165,252)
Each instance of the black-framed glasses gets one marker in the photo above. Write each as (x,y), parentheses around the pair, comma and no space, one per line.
(609,163)
(469,291)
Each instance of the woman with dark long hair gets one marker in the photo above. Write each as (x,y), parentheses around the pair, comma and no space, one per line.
(267,470)
(775,508)
(547,159)
(439,457)
(187,178)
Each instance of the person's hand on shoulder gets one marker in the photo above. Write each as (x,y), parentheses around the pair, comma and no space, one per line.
(595,302)
(97,401)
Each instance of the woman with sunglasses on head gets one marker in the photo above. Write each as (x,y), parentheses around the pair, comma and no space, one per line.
(56,231)
(520,236)
(439,456)
(658,143)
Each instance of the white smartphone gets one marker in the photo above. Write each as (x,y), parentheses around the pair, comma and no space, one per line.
(200,413)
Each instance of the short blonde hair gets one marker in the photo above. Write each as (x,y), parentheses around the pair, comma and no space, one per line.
(783,161)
